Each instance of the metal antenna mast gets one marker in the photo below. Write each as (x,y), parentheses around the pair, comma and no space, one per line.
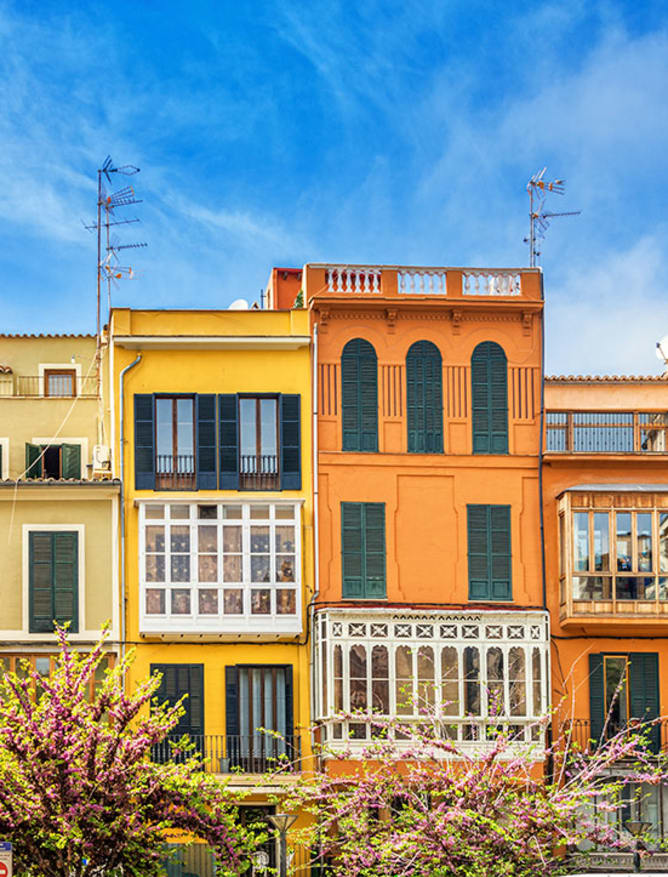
(107,265)
(539,219)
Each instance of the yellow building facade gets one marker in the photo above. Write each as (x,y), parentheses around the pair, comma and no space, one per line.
(211,435)
(58,502)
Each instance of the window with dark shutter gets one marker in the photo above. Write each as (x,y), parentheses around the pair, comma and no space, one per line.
(359,396)
(363,549)
(291,464)
(424,398)
(53,559)
(34,461)
(623,687)
(489,399)
(179,680)
(644,691)
(489,552)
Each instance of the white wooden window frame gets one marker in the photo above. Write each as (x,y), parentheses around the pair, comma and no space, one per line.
(340,628)
(271,623)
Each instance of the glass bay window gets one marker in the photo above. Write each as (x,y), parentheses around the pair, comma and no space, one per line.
(220,566)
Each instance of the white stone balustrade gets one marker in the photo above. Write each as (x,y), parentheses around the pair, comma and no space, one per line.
(419,281)
(357,279)
(491,283)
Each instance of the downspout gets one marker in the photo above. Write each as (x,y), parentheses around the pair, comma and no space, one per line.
(122,473)
(316,539)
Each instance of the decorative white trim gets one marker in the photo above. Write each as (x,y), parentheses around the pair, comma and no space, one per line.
(67,440)
(60,366)
(81,575)
(212,342)
(4,462)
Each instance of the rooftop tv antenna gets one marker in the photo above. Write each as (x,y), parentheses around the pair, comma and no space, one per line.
(108,247)
(539,218)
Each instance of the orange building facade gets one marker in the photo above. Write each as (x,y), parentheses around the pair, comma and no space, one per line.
(606,538)
(429,581)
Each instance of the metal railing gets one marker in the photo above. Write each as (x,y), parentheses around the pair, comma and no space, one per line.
(37,386)
(198,860)
(579,734)
(174,471)
(606,432)
(258,472)
(234,753)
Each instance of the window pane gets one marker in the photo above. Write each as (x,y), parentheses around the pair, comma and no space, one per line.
(663,541)
(634,588)
(536,672)
(517,680)
(285,539)
(164,426)
(180,568)
(357,656)
(208,568)
(259,512)
(185,433)
(248,426)
(472,680)
(233,602)
(260,601)
(259,568)
(592,588)
(180,539)
(644,531)
(581,541)
(450,681)
(285,568)
(232,568)
(155,539)
(152,512)
(207,512)
(268,411)
(208,601)
(232,539)
(380,683)
(155,568)
(155,601)
(425,663)
(259,539)
(286,601)
(601,542)
(624,550)
(338,679)
(615,671)
(404,680)
(180,601)
(495,693)
(179,512)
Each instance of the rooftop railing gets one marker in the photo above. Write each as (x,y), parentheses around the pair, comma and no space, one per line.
(606,432)
(380,281)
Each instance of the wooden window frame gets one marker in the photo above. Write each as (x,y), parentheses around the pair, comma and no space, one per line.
(260,480)
(60,372)
(10,661)
(173,479)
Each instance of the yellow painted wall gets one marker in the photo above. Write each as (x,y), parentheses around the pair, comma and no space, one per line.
(197,370)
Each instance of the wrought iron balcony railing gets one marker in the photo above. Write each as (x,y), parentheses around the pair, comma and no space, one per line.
(175,472)
(235,753)
(578,732)
(258,472)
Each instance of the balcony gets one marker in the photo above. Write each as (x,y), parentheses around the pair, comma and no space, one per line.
(383,281)
(258,472)
(175,472)
(606,432)
(33,386)
(578,733)
(235,753)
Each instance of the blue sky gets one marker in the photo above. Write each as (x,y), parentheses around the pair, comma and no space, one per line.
(280,132)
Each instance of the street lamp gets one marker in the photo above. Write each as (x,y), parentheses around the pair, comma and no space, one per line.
(636,828)
(282,822)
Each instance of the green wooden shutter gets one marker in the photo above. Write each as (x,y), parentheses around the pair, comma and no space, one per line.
(489,552)
(359,396)
(351,549)
(500,552)
(228,406)
(479,573)
(489,399)
(231,701)
(424,398)
(291,463)
(205,413)
(71,461)
(374,549)
(53,559)
(289,707)
(144,442)
(34,461)
(363,549)
(596,697)
(179,680)
(644,690)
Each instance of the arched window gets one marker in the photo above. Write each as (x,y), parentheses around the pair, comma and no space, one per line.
(489,391)
(424,399)
(359,396)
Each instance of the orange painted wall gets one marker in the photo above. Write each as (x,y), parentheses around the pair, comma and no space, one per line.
(572,644)
(426,495)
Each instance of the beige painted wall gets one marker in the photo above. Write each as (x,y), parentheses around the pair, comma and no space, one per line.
(53,505)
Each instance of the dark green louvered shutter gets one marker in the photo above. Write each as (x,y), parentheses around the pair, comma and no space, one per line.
(34,461)
(359,396)
(644,690)
(489,552)
(231,702)
(205,412)
(489,399)
(373,514)
(228,406)
(53,559)
(179,680)
(363,549)
(596,697)
(291,463)
(424,399)
(70,461)
(144,442)
(289,705)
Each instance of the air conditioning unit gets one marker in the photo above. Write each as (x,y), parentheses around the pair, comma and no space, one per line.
(101,457)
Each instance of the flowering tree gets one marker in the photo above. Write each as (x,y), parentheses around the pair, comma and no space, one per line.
(416,804)
(79,793)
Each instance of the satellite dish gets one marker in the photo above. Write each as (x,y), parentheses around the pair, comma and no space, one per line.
(662,349)
(240,304)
